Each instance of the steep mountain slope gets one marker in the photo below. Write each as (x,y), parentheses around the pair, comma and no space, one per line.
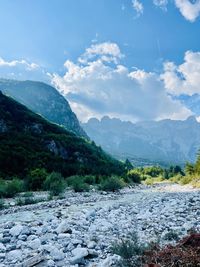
(44,100)
(165,141)
(28,141)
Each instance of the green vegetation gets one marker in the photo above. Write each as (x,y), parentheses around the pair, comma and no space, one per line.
(153,174)
(2,204)
(191,175)
(35,179)
(54,183)
(113,183)
(133,254)
(10,188)
(29,142)
(130,251)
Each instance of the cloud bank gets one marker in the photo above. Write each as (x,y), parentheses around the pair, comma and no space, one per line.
(21,69)
(97,87)
(184,78)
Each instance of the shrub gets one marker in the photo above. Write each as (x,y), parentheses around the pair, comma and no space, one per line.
(176,178)
(26,201)
(134,176)
(171,236)
(2,204)
(27,194)
(55,183)
(35,179)
(11,188)
(89,179)
(80,183)
(196,183)
(130,251)
(149,181)
(186,180)
(2,188)
(80,186)
(112,183)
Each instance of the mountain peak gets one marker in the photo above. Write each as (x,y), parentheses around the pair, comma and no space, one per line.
(191,119)
(44,100)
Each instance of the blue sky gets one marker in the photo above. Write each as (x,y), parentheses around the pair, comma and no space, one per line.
(149,33)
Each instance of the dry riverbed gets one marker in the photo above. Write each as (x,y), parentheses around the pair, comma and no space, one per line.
(79,229)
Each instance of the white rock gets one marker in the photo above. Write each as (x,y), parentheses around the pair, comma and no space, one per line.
(109,261)
(16,230)
(91,244)
(63,228)
(14,255)
(79,254)
(50,263)
(35,244)
(56,254)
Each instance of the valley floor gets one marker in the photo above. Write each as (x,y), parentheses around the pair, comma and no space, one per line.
(80,228)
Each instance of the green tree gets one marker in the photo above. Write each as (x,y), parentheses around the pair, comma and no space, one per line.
(128,165)
(35,179)
(189,168)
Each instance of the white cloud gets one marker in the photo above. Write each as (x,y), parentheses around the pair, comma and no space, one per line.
(138,7)
(21,70)
(184,78)
(161,4)
(97,88)
(108,52)
(188,9)
(14,63)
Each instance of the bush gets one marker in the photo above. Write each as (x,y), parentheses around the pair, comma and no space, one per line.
(26,201)
(134,176)
(80,187)
(2,188)
(171,236)
(130,251)
(113,184)
(2,204)
(27,194)
(11,188)
(186,180)
(54,183)
(80,183)
(89,179)
(151,181)
(196,183)
(35,179)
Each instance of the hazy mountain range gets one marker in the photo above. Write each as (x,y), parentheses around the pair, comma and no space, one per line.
(165,141)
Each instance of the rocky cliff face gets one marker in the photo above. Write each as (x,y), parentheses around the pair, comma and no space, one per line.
(165,141)
(44,100)
(28,141)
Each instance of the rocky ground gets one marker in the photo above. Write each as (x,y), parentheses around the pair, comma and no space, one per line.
(79,229)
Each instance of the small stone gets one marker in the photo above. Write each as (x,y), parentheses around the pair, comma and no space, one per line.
(63,228)
(2,248)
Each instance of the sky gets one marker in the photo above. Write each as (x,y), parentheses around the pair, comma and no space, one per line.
(131,59)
